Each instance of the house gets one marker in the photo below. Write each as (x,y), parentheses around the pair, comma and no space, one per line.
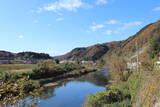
(89,63)
(66,61)
(5,62)
(158,62)
(132,65)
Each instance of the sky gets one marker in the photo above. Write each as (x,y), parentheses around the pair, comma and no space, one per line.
(58,26)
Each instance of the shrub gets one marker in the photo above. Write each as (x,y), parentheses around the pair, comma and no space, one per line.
(117,66)
(7,76)
(108,97)
(13,91)
(122,94)
(154,46)
(49,68)
(72,66)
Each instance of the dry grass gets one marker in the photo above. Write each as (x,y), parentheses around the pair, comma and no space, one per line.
(17,67)
(149,93)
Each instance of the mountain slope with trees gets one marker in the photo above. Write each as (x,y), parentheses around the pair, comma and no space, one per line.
(22,57)
(134,87)
(125,48)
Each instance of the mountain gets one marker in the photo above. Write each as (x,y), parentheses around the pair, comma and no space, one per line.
(22,57)
(96,52)
(141,40)
(32,55)
(4,55)
(88,53)
(125,48)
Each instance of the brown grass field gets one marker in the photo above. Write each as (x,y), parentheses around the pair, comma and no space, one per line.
(17,67)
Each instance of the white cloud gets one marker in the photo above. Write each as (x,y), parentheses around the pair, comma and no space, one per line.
(48,24)
(108,32)
(100,2)
(20,36)
(127,26)
(156,9)
(70,5)
(60,19)
(96,27)
(136,23)
(112,22)
(35,21)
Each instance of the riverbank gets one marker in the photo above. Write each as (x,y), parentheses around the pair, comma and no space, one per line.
(118,94)
(66,76)
(140,90)
(72,92)
(14,84)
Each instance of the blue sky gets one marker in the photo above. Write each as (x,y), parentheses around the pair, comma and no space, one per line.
(58,26)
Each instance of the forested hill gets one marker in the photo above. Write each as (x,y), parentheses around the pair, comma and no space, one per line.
(96,52)
(121,48)
(22,57)
(93,53)
(140,40)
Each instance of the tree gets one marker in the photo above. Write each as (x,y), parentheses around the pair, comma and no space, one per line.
(117,66)
(155,44)
(147,63)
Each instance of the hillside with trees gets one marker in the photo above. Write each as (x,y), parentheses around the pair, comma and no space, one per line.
(127,48)
(22,57)
(140,41)
(91,53)
(134,87)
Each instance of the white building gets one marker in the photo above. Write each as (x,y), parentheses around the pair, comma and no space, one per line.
(132,65)
(88,62)
(66,61)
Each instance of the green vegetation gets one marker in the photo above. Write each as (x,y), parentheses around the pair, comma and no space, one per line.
(122,94)
(127,48)
(91,53)
(10,72)
(117,67)
(12,91)
(17,67)
(135,88)
(154,46)
(49,68)
(18,81)
(32,55)
(50,71)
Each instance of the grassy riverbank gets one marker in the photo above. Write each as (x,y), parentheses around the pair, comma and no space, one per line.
(20,81)
(17,67)
(140,90)
(121,94)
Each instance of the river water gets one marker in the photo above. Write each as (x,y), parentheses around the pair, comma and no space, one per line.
(73,93)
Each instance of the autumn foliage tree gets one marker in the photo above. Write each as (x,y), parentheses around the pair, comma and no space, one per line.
(117,66)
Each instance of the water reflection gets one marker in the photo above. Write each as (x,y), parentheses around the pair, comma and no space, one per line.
(73,93)
(69,93)
(98,78)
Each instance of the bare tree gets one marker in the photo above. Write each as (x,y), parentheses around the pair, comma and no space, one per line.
(117,66)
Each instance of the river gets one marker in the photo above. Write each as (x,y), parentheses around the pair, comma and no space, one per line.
(73,93)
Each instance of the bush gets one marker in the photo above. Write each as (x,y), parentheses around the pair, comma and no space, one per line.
(117,66)
(108,97)
(49,68)
(10,76)
(155,46)
(13,91)
(122,94)
(72,66)
(4,76)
